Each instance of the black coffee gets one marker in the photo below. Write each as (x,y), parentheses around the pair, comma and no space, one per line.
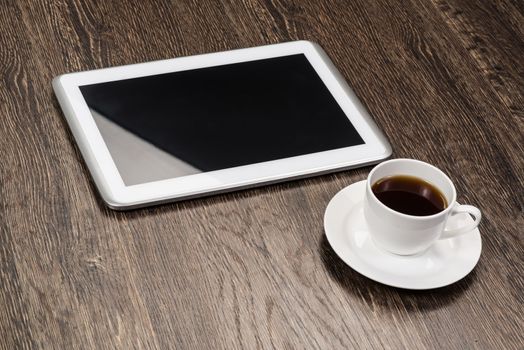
(409,195)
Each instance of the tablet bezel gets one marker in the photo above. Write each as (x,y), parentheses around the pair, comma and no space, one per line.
(119,196)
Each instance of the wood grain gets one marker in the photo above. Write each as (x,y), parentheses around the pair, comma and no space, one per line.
(252,269)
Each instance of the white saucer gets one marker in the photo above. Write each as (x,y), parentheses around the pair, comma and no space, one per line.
(444,263)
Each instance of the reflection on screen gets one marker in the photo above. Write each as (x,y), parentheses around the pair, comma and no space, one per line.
(177,124)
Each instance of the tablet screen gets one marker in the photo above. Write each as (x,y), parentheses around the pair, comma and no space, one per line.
(183,123)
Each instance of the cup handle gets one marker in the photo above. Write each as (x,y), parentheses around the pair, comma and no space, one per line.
(471,210)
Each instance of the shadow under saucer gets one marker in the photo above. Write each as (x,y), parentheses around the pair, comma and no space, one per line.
(361,287)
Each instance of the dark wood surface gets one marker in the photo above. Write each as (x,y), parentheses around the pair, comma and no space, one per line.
(253,269)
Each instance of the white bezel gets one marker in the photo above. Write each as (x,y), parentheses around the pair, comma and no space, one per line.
(119,196)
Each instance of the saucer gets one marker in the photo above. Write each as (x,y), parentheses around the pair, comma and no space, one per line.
(444,263)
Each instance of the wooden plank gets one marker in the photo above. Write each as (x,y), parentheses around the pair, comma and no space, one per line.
(253,269)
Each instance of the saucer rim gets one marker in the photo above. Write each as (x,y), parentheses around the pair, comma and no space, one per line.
(351,263)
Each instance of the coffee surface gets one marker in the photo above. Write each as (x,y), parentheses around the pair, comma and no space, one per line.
(409,195)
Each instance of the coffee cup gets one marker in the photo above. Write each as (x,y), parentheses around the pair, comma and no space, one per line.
(392,225)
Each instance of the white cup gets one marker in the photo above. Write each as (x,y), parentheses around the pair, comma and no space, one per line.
(405,234)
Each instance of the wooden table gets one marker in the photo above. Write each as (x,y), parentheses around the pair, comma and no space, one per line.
(253,269)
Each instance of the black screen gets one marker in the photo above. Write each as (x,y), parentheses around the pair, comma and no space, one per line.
(180,123)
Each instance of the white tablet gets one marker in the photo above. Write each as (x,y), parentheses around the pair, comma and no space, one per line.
(191,126)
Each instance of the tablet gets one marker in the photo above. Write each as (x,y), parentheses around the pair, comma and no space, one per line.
(191,126)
